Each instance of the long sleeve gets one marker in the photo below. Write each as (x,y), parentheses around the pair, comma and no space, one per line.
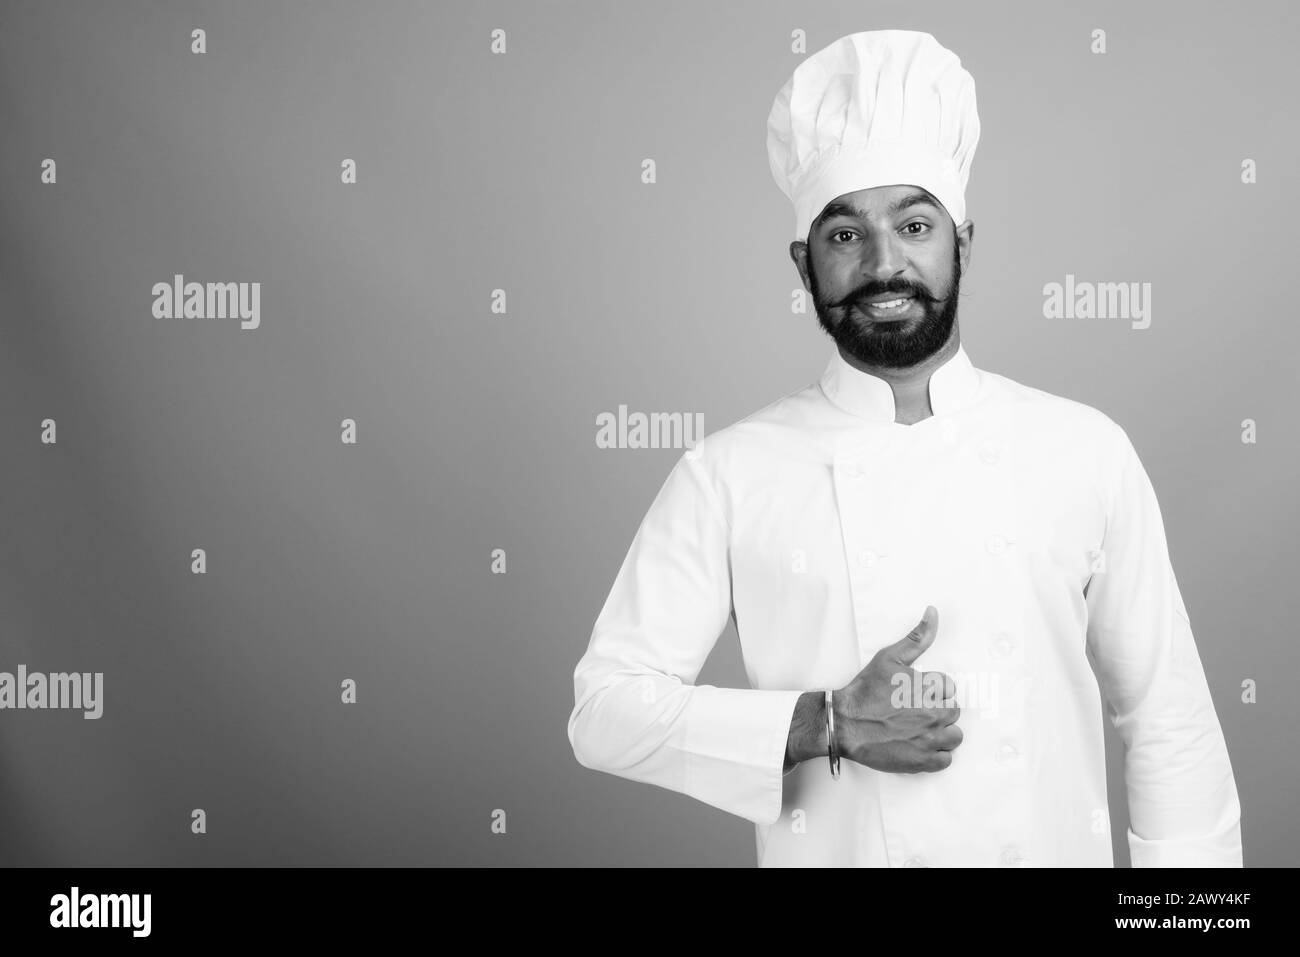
(1182,796)
(637,712)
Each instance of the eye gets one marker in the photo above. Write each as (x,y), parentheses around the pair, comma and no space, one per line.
(916,222)
(841,232)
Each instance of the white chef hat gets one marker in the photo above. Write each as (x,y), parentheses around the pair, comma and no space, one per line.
(880,108)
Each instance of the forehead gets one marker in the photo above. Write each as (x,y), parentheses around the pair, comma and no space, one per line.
(878,200)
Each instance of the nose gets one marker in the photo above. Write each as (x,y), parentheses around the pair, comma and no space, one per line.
(882,258)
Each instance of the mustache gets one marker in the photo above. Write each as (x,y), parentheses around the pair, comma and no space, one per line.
(881,289)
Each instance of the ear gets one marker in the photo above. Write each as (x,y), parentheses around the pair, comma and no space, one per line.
(799,254)
(965,239)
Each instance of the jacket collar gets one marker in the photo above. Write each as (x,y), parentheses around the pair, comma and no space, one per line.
(952,386)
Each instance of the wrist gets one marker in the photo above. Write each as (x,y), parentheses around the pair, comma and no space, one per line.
(807,730)
(818,745)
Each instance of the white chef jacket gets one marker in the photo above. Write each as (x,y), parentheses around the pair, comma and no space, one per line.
(824,528)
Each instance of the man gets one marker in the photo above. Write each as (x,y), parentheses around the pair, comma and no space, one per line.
(908,511)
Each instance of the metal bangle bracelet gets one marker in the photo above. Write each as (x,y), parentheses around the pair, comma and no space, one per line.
(832,751)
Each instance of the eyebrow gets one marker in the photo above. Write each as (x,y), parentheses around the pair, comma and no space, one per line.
(844,209)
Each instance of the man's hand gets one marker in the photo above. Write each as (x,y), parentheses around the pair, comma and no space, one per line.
(870,726)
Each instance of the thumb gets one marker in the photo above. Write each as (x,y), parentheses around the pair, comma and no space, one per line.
(908,648)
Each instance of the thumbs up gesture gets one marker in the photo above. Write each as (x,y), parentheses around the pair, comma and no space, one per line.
(872,728)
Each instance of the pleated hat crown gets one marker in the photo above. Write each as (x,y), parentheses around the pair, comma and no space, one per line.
(879,108)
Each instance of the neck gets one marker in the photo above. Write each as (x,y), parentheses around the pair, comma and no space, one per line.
(911,385)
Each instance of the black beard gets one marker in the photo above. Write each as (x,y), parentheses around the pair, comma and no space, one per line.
(882,344)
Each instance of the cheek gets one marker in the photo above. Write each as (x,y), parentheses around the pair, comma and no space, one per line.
(837,280)
(939,277)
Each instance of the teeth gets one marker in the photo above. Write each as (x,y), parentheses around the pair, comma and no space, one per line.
(891,304)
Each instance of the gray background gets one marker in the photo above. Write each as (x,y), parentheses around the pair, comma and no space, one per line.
(477,430)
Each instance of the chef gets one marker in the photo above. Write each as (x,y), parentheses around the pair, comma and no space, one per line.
(939,577)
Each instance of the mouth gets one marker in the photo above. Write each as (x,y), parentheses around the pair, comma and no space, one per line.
(889,308)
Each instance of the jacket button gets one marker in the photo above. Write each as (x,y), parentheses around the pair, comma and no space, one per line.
(990,453)
(914,862)
(1012,857)
(1007,753)
(1002,645)
(996,544)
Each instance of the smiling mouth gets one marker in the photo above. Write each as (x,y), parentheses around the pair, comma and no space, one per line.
(889,309)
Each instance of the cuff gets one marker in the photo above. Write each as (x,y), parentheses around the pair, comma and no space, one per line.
(1217,850)
(736,749)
